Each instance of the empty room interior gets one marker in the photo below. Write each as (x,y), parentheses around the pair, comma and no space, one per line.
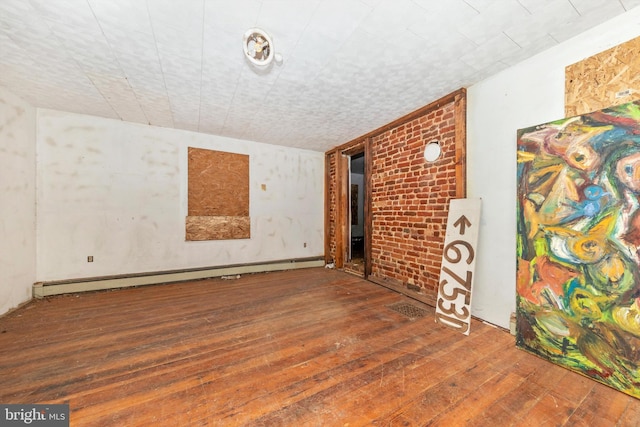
(320,213)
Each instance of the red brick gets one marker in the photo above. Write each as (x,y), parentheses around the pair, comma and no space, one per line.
(409,199)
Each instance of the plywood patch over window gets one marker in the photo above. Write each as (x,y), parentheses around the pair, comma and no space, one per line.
(218,195)
(609,78)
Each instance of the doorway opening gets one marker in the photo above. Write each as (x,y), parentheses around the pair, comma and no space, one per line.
(356,215)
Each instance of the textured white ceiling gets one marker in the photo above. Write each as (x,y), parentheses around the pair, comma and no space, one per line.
(350,66)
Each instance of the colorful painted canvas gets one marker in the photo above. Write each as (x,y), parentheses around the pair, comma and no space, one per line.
(578,244)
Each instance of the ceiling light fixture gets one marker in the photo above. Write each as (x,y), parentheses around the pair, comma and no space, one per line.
(258,47)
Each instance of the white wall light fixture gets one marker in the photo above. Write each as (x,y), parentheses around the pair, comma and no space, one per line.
(432,151)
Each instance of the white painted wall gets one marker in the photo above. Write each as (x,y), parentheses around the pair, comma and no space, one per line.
(527,94)
(17,201)
(118,191)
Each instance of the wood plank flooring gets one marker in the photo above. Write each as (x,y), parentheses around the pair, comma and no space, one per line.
(311,347)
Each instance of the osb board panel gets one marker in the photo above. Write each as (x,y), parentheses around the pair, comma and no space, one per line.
(218,227)
(218,183)
(609,78)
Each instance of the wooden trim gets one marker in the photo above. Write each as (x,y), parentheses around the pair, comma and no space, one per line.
(460,112)
(44,289)
(327,207)
(345,206)
(368,217)
(398,286)
(404,119)
(342,181)
(357,148)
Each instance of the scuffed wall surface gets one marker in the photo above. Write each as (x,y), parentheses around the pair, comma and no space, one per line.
(17,201)
(524,95)
(118,192)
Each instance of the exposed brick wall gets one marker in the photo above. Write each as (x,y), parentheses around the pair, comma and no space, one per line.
(410,199)
(332,205)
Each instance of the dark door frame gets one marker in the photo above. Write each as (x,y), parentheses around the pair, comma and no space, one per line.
(343,240)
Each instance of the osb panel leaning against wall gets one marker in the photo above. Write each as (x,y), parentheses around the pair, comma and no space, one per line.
(218,195)
(609,78)
(409,196)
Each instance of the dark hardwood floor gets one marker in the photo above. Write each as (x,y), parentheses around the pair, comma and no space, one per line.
(311,347)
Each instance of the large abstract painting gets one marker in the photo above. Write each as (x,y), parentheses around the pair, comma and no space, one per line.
(578,244)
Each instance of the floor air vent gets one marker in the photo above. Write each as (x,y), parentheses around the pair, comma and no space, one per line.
(409,310)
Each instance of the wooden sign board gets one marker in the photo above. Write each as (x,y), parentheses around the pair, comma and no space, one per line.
(453,306)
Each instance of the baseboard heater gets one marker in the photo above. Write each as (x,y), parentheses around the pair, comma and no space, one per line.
(44,289)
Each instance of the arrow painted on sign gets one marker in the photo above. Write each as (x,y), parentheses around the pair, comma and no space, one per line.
(462,222)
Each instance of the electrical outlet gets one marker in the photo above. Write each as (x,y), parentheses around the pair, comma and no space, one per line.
(90,258)
(305,244)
